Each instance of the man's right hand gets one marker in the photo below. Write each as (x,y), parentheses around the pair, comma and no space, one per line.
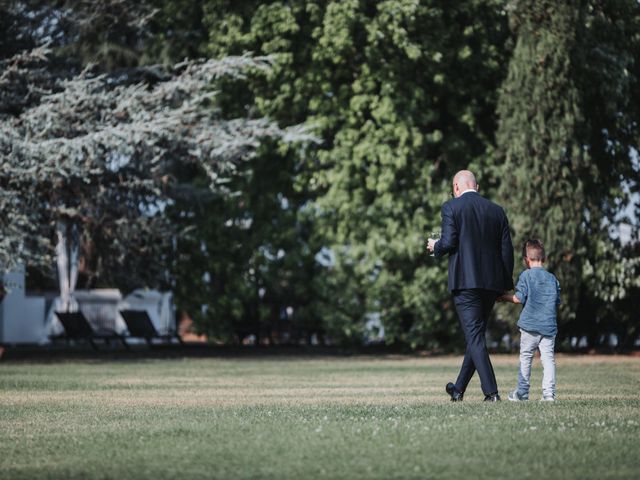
(508,297)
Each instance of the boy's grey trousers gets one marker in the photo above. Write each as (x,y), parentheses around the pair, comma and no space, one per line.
(529,343)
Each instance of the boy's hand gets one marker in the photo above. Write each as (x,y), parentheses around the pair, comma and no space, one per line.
(431,244)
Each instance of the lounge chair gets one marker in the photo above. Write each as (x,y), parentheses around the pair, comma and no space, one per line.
(140,325)
(77,327)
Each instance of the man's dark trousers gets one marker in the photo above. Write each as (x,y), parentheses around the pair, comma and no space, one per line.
(474,307)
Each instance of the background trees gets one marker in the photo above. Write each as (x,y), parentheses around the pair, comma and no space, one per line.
(387,84)
(318,242)
(92,158)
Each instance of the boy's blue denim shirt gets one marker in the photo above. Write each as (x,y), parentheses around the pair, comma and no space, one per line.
(539,293)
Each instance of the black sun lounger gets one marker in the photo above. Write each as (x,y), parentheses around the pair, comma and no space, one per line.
(140,326)
(77,327)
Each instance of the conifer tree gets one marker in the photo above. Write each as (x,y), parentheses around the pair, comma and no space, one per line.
(544,163)
(88,157)
(565,141)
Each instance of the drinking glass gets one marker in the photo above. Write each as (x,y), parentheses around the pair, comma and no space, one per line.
(434,235)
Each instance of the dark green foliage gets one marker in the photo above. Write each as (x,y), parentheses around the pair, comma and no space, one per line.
(566,140)
(542,177)
(387,86)
(249,256)
(177,31)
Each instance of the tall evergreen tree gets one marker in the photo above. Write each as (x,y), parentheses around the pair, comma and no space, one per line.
(544,162)
(608,76)
(566,138)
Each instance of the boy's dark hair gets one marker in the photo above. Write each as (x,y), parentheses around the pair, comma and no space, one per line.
(533,249)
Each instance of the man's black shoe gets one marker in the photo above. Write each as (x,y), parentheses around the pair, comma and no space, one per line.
(492,397)
(456,396)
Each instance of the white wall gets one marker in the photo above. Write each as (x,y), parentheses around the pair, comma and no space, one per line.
(22,318)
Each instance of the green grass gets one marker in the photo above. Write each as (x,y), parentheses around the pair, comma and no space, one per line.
(297,418)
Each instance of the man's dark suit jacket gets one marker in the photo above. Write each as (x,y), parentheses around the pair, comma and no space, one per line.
(475,234)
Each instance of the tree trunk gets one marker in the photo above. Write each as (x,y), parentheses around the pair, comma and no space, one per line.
(67,253)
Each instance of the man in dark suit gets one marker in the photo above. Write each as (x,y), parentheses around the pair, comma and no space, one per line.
(475,235)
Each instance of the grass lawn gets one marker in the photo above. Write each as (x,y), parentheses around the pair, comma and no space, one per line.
(297,418)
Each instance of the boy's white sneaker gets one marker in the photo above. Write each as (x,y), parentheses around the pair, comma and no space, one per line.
(516,397)
(548,398)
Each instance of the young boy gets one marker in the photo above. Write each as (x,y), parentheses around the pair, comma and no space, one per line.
(539,293)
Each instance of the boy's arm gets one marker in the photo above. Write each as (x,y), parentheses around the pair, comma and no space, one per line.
(522,289)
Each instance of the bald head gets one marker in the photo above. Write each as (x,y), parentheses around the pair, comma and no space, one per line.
(464,180)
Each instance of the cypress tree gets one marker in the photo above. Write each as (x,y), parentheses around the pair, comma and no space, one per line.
(537,139)
(568,140)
